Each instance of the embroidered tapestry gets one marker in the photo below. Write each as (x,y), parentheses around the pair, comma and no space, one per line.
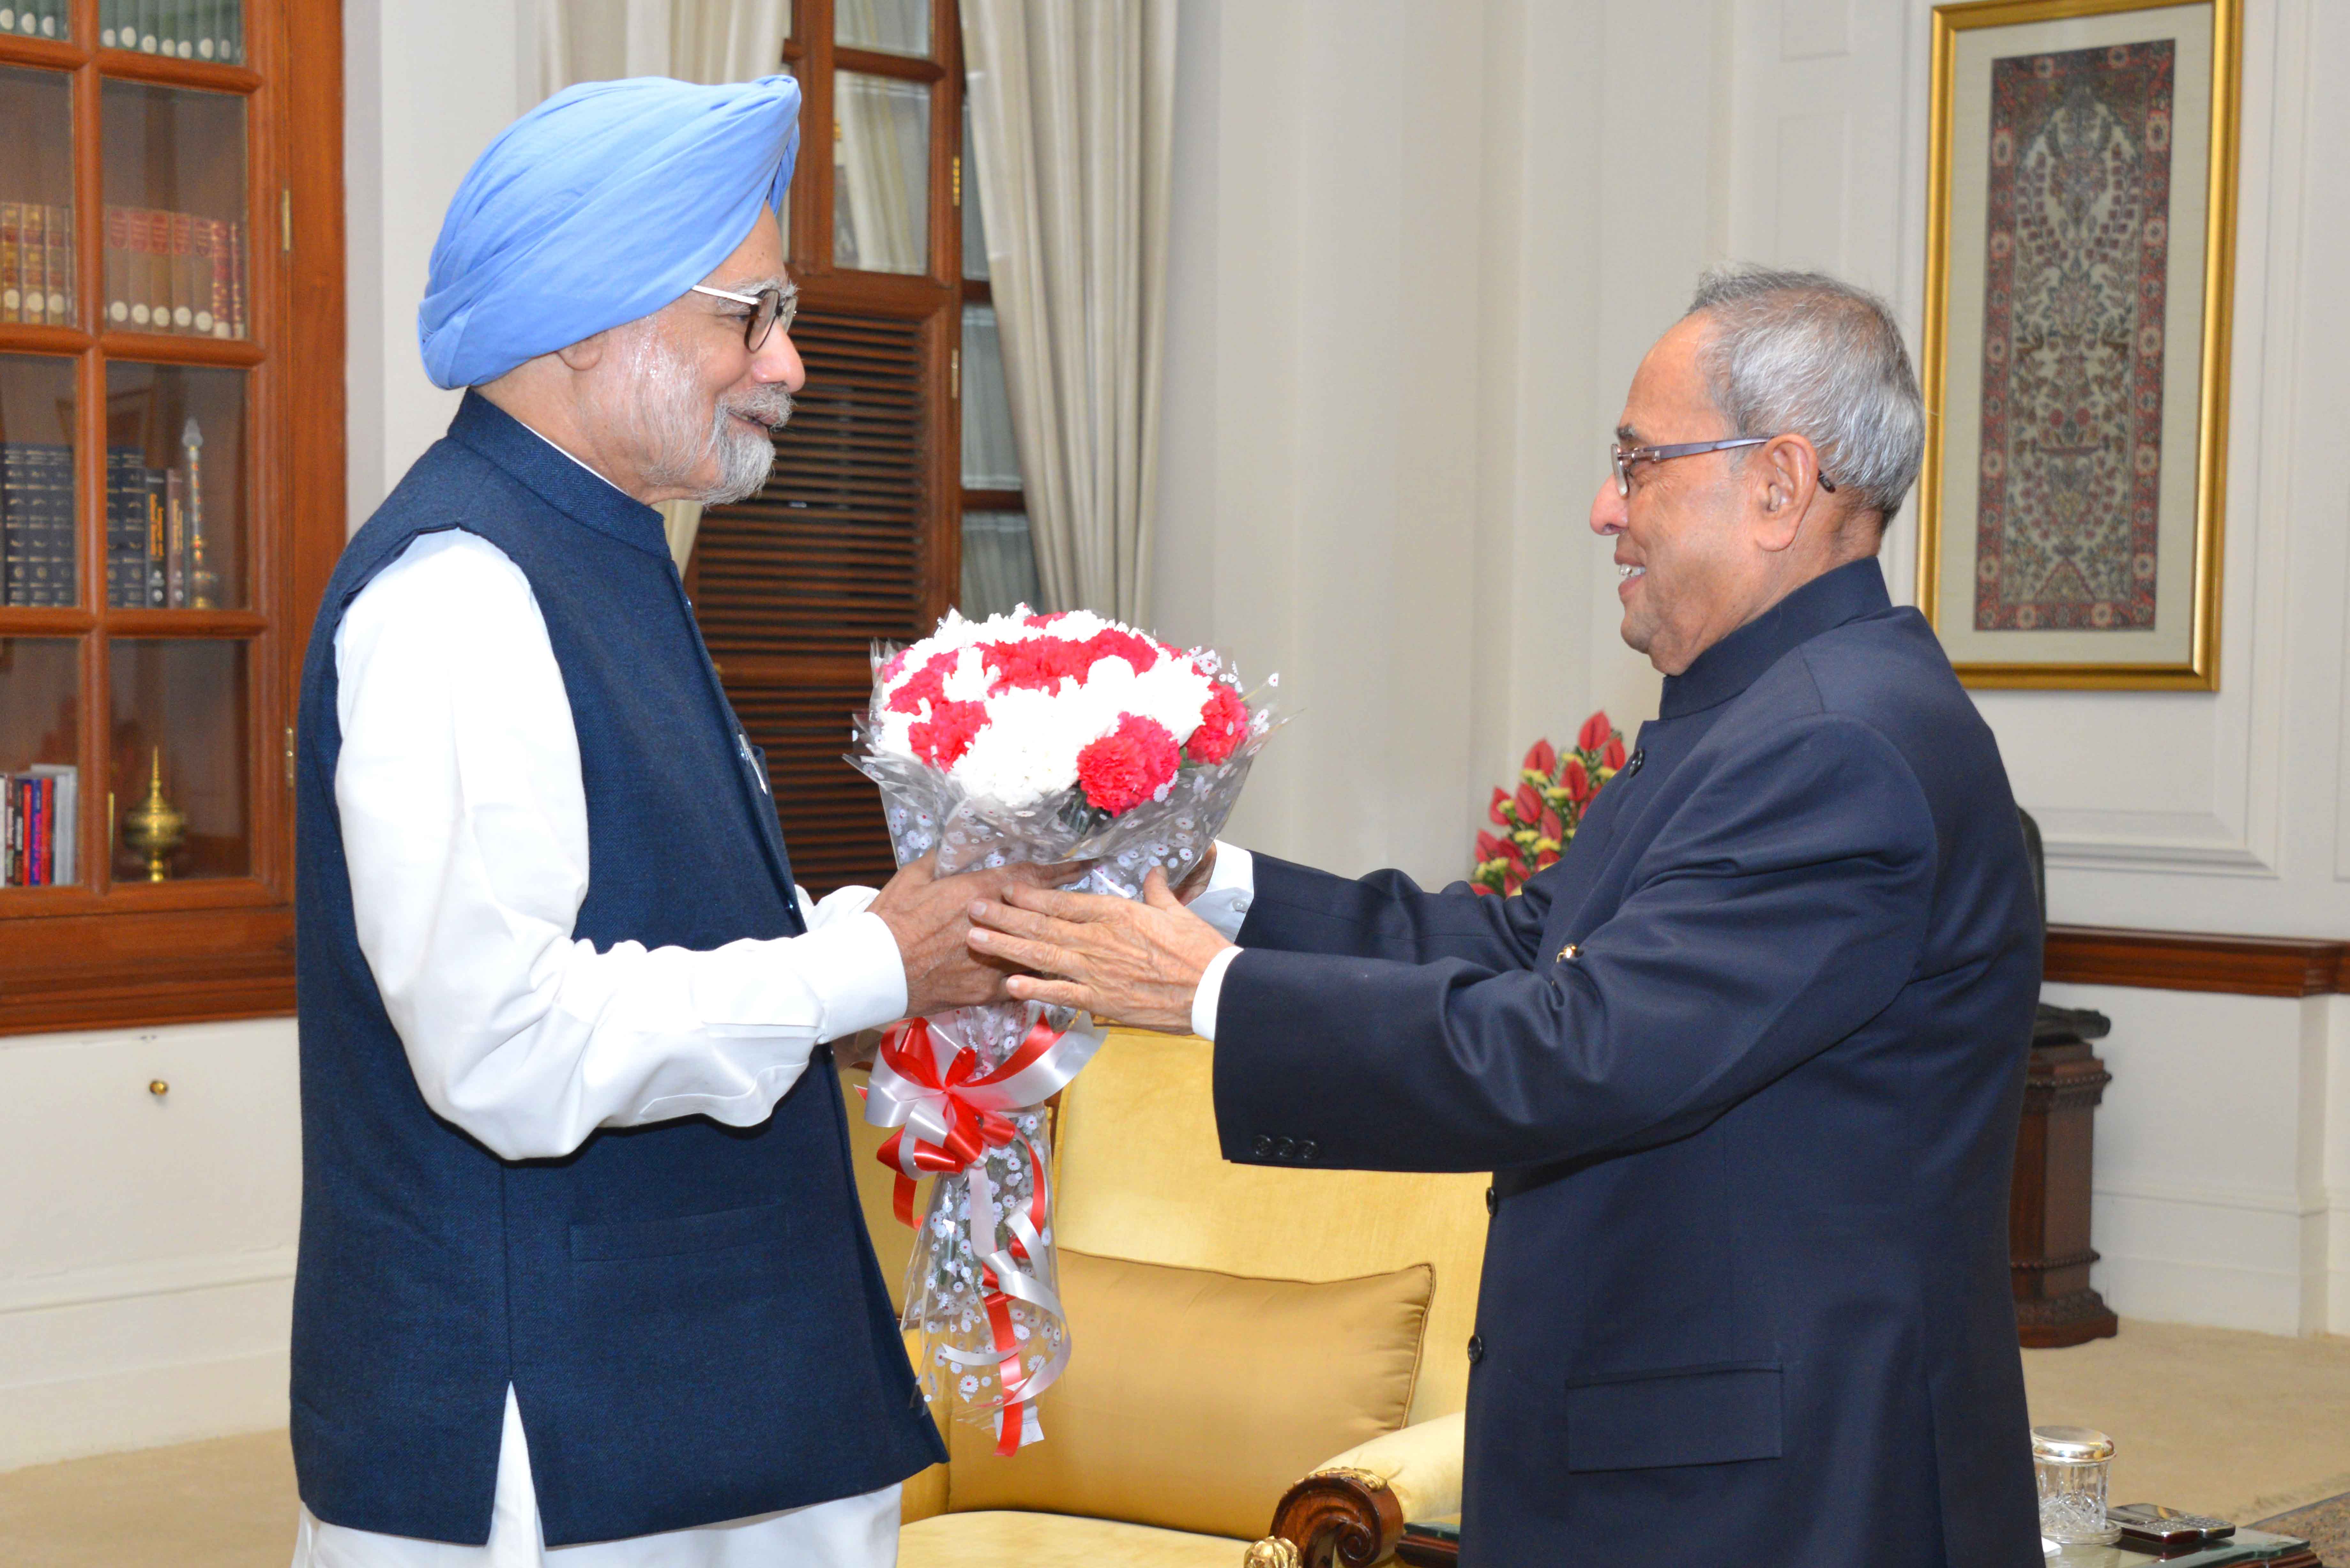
(2074,296)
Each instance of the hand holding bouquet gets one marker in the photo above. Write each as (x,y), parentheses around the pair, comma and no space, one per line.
(1042,739)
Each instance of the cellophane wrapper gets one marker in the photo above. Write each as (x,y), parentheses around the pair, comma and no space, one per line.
(927,810)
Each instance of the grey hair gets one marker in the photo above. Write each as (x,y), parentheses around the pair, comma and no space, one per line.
(1810,355)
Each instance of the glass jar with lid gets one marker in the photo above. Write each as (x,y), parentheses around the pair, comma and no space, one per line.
(2072,1465)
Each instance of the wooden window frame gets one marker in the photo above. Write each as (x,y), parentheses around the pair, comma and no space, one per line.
(933,300)
(109,954)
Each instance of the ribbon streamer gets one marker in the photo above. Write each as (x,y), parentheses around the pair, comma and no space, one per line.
(928,1082)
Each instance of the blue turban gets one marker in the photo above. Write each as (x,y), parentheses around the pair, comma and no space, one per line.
(602,205)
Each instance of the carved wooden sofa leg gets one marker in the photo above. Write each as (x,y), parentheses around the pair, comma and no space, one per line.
(1333,1517)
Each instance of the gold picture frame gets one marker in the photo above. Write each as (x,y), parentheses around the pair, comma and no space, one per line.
(2157,632)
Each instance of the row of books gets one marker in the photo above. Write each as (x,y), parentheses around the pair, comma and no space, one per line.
(37,525)
(184,29)
(36,263)
(157,553)
(39,809)
(35,18)
(165,272)
(174,272)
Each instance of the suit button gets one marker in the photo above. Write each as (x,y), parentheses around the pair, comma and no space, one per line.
(1262,1146)
(1283,1148)
(1476,1348)
(1493,1201)
(1308,1150)
(1632,765)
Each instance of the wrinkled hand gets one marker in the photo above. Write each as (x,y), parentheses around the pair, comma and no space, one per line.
(1136,963)
(930,914)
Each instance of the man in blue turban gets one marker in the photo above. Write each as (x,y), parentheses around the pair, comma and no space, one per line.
(583,1275)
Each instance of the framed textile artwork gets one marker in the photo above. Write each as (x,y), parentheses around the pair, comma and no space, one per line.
(2080,250)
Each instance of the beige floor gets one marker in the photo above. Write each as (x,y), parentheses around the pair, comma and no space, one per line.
(2242,1425)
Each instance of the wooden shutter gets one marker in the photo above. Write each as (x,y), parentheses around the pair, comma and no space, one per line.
(792,586)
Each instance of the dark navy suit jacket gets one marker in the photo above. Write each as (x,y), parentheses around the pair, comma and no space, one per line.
(1747,1065)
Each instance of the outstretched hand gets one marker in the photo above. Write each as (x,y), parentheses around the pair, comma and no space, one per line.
(1133,962)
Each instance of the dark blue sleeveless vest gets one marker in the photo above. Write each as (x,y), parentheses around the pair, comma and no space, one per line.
(690,1315)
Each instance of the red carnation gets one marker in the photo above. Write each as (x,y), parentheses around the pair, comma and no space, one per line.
(1500,810)
(1127,766)
(1552,828)
(1596,730)
(1529,805)
(1541,758)
(941,739)
(1222,723)
(1038,664)
(1576,779)
(929,682)
(1614,755)
(1112,643)
(1042,621)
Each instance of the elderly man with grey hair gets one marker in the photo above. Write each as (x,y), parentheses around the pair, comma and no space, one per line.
(1746,1063)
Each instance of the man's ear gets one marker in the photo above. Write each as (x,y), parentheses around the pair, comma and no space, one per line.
(584,354)
(1785,475)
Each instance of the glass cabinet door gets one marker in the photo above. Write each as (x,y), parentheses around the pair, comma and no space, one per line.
(39,493)
(41,799)
(179,741)
(36,210)
(173,168)
(175,487)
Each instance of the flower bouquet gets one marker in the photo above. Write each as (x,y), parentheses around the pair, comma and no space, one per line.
(1024,738)
(1539,818)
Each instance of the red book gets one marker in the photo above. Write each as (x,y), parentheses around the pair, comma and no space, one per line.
(236,280)
(118,265)
(158,271)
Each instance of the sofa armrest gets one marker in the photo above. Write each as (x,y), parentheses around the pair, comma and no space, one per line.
(1352,1509)
(924,1495)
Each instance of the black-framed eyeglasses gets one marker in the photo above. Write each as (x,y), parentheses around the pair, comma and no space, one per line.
(768,306)
(1621,458)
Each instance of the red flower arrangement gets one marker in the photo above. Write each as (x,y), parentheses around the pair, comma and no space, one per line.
(1538,819)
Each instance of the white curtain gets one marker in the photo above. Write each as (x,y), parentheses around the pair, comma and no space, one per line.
(567,41)
(1072,124)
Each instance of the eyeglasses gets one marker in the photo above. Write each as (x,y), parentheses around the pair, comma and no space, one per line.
(767,307)
(1622,458)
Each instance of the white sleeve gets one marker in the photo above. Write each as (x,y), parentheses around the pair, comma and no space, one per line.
(1210,991)
(465,826)
(1225,902)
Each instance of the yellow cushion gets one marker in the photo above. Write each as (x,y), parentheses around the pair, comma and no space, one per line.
(1193,1399)
(1050,1541)
(1140,1174)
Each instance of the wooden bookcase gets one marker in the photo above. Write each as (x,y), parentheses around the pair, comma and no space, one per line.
(190,385)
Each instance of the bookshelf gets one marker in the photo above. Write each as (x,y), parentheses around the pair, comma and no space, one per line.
(172,479)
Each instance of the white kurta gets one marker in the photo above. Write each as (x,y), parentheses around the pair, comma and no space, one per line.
(465,829)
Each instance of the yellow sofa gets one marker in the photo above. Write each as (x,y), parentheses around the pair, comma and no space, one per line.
(1139,1177)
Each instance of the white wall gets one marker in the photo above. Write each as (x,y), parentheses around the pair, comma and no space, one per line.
(146,1245)
(1419,253)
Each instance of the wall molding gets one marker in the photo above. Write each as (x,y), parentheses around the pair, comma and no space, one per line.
(162,1276)
(2210,1195)
(2192,960)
